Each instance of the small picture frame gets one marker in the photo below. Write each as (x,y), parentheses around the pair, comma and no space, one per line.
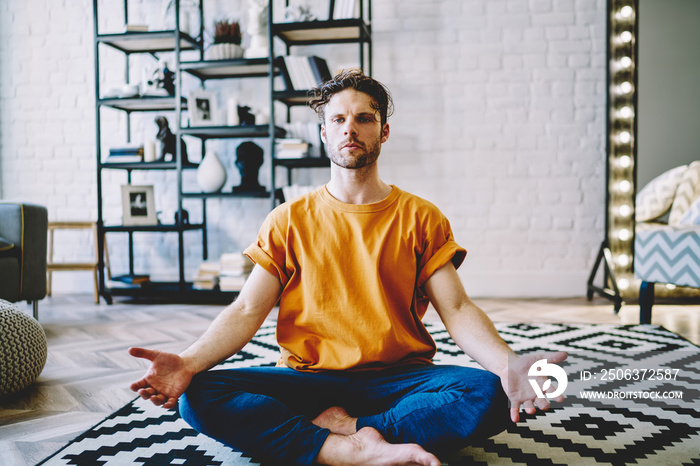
(202,108)
(138,205)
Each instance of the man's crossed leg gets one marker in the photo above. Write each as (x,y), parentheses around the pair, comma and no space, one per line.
(395,416)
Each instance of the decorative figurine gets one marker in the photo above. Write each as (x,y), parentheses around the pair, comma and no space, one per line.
(249,159)
(245,118)
(168,140)
(161,81)
(185,217)
(298,14)
(257,29)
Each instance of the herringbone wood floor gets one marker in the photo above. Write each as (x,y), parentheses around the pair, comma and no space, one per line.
(88,369)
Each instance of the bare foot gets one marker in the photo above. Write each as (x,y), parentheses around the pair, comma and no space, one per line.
(337,420)
(367,446)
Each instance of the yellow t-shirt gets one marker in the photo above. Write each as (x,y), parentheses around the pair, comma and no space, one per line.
(352,277)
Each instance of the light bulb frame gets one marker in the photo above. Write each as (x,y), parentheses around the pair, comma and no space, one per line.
(621,88)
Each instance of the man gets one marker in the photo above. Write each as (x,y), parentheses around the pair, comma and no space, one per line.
(353,265)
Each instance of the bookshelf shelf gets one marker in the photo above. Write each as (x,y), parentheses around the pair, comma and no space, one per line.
(225,69)
(323,32)
(152,228)
(148,42)
(142,166)
(304,162)
(292,98)
(218,132)
(142,104)
(221,194)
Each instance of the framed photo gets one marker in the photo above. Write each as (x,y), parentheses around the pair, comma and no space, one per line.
(138,205)
(202,108)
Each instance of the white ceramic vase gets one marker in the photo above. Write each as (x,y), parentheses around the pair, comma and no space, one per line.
(211,174)
(225,51)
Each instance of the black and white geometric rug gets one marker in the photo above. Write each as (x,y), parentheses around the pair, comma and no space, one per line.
(649,376)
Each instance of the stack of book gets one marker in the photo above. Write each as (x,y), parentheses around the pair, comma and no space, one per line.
(291,148)
(125,154)
(343,9)
(129,281)
(234,271)
(307,132)
(207,276)
(136,28)
(301,73)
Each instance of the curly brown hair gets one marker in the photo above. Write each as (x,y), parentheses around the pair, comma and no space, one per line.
(353,79)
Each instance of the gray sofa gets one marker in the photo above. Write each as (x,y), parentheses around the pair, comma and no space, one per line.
(23,232)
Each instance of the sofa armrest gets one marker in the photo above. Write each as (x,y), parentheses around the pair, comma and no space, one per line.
(26,225)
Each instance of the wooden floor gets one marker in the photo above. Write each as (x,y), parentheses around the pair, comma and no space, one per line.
(88,369)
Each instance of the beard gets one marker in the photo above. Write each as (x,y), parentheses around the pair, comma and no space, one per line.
(357,159)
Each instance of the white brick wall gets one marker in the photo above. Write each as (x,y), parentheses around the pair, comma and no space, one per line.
(499,121)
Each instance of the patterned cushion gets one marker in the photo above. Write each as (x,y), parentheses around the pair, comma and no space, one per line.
(667,254)
(688,190)
(656,197)
(692,215)
(22,349)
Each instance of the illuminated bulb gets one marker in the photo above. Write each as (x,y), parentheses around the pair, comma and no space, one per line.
(625,161)
(625,62)
(670,286)
(625,112)
(624,234)
(626,37)
(624,186)
(626,87)
(626,11)
(624,210)
(624,137)
(623,260)
(623,283)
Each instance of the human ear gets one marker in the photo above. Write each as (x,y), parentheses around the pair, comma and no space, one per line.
(385,132)
(323,134)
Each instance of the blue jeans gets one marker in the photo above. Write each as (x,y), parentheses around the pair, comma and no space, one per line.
(266,412)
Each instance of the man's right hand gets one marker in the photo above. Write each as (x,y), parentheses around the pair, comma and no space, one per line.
(166,379)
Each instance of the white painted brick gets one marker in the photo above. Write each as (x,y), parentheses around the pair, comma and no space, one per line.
(540,6)
(550,19)
(556,33)
(571,46)
(473,7)
(573,198)
(527,47)
(511,20)
(585,5)
(564,5)
(579,60)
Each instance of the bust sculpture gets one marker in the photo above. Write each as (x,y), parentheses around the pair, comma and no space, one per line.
(249,159)
(257,29)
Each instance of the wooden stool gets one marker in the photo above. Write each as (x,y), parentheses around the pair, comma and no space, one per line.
(52,266)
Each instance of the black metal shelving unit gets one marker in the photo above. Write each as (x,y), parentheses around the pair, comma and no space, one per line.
(341,31)
(152,43)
